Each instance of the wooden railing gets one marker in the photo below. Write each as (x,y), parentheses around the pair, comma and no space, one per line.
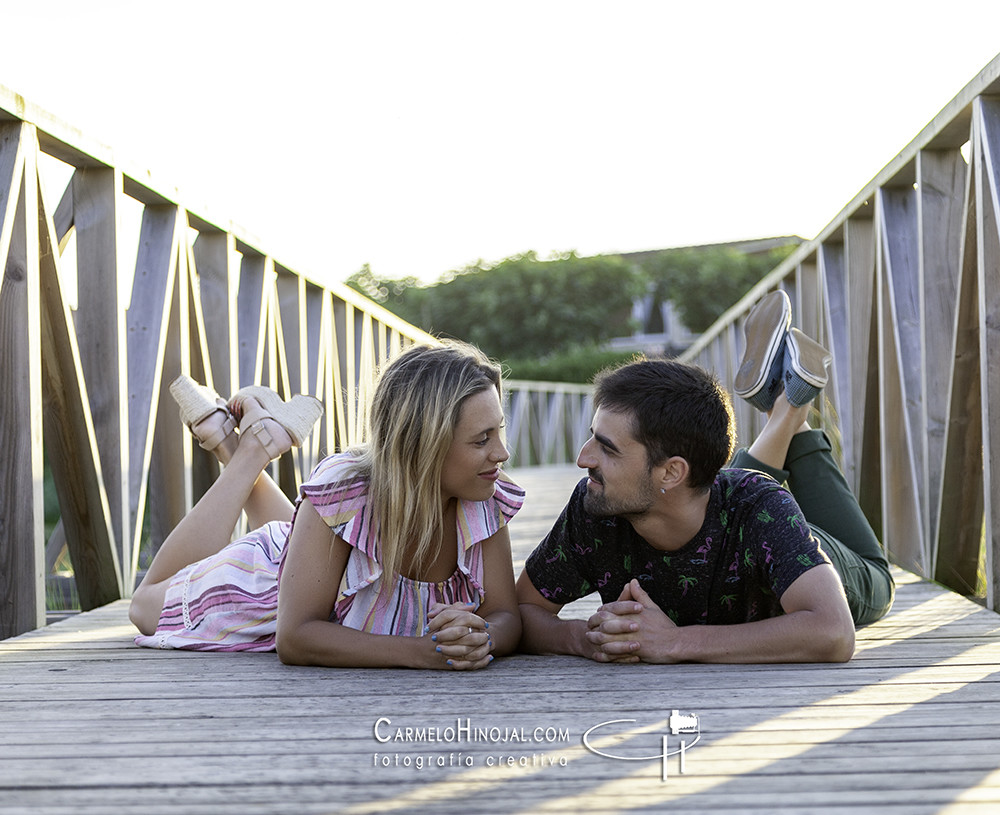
(547,422)
(904,287)
(114,289)
(108,293)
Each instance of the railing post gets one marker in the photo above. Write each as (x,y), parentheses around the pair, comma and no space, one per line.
(100,330)
(22,546)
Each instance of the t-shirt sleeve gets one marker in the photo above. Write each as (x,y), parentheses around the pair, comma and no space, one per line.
(781,541)
(559,566)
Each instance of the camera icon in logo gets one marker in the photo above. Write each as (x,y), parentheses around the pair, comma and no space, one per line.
(679,725)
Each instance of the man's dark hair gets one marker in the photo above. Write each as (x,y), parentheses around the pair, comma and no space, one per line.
(677,409)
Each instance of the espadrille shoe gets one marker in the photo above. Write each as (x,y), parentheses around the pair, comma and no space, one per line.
(203,411)
(758,379)
(261,425)
(805,367)
(297,416)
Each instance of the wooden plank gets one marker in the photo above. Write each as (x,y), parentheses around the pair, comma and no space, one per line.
(349,351)
(63,217)
(959,535)
(859,248)
(989,334)
(95,196)
(214,257)
(22,544)
(171,476)
(204,343)
(900,487)
(146,322)
(807,314)
(900,236)
(290,298)
(250,317)
(940,201)
(838,396)
(11,170)
(72,444)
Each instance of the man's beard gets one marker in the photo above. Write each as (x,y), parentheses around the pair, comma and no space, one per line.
(636,504)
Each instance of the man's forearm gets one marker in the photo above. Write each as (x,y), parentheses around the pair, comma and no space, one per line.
(798,637)
(545,633)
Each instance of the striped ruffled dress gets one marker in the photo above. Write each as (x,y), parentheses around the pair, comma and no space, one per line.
(229,600)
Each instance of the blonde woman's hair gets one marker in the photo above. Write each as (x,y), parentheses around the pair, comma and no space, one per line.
(412,419)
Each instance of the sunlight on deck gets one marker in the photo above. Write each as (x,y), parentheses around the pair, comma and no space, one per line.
(55,636)
(825,721)
(647,789)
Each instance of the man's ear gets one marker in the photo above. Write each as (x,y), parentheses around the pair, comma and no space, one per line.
(673,473)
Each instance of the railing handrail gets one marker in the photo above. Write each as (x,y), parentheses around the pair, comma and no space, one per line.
(70,145)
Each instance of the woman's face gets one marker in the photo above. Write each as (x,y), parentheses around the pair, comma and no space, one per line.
(472,465)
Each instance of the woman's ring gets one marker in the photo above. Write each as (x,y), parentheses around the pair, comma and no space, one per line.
(470,629)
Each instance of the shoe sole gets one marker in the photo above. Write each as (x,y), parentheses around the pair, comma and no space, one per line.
(809,359)
(196,402)
(765,328)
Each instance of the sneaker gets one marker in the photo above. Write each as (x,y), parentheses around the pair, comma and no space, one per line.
(759,378)
(806,363)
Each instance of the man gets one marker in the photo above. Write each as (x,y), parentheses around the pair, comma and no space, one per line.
(695,561)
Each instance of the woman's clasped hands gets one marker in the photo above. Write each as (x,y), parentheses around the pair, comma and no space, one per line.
(459,636)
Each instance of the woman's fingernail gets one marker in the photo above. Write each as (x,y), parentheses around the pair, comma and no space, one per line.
(487,625)
(450,662)
(434,637)
(491,657)
(438,649)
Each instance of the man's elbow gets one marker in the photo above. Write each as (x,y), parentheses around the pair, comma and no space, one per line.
(528,639)
(838,644)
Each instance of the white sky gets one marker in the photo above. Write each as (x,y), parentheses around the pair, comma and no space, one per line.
(420,136)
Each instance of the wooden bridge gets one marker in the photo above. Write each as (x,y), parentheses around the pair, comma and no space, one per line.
(91,724)
(112,285)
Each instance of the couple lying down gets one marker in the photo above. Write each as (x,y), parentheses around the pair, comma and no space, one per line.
(397,553)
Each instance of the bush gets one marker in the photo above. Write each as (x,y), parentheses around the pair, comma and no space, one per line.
(578,365)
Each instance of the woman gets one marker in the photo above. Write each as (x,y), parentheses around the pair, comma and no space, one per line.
(396,554)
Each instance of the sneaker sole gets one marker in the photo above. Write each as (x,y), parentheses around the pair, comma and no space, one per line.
(808,358)
(773,313)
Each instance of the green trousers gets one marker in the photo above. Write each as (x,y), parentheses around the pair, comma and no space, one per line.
(836,519)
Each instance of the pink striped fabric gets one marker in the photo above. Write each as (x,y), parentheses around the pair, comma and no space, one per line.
(229,601)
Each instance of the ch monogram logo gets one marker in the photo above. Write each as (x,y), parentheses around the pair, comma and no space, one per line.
(678,724)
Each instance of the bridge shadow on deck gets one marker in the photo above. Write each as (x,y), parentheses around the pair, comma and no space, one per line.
(89,722)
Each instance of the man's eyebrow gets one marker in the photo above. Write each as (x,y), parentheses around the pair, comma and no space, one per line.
(605,441)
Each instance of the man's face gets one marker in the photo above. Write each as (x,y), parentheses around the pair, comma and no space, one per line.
(620,478)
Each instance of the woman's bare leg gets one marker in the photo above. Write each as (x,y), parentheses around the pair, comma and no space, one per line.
(266,502)
(208,527)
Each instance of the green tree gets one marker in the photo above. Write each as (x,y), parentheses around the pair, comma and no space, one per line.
(521,307)
(704,282)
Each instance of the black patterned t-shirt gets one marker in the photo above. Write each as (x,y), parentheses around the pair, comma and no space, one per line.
(753,545)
